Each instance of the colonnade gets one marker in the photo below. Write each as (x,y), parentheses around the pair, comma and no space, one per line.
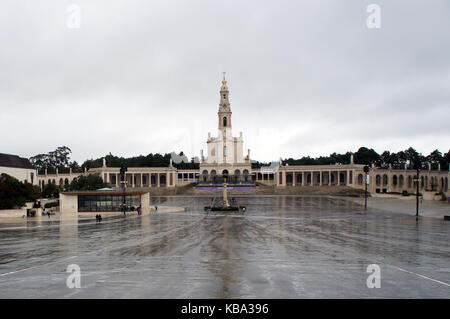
(315,178)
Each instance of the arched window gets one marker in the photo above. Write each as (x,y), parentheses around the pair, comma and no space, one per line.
(360,179)
(205,175)
(224,151)
(225,121)
(225,173)
(378,180)
(245,173)
(385,180)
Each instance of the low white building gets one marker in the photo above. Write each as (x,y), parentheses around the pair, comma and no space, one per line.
(104,201)
(18,167)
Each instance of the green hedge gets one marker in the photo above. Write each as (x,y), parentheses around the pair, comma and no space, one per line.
(52,204)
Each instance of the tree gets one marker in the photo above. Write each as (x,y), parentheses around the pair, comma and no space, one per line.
(411,154)
(445,162)
(14,193)
(53,159)
(87,182)
(435,158)
(366,156)
(50,190)
(402,157)
(75,167)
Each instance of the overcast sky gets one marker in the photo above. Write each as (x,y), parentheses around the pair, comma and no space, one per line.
(305,77)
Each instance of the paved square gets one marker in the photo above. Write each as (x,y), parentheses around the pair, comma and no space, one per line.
(283,247)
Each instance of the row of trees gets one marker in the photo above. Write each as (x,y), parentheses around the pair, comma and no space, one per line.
(60,159)
(14,193)
(368,156)
(150,160)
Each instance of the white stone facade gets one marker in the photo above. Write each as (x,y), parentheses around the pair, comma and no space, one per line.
(225,152)
(22,174)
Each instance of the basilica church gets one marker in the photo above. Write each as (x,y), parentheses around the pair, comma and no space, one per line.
(225,153)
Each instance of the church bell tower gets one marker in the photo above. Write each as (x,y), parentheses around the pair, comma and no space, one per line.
(224,112)
(225,152)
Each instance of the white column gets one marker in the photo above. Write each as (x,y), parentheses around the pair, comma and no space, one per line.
(320,178)
(293,178)
(157,180)
(303,178)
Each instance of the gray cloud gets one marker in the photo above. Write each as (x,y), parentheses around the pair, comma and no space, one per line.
(306,77)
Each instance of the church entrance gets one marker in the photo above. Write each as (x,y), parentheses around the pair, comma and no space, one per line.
(225,174)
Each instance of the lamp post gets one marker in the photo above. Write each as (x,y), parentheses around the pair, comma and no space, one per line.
(123,169)
(366,170)
(417,167)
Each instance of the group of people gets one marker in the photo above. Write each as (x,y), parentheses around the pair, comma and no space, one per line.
(98,217)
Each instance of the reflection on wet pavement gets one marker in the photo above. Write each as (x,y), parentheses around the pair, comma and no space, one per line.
(283,247)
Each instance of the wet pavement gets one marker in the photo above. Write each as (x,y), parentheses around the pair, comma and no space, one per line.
(283,247)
